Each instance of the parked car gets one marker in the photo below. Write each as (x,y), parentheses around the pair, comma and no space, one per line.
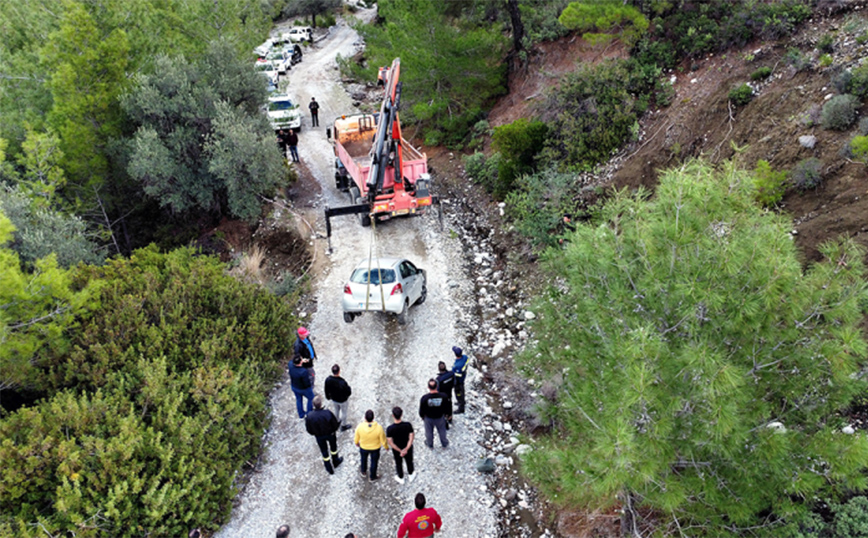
(267,70)
(298,34)
(294,54)
(281,61)
(384,285)
(263,49)
(283,113)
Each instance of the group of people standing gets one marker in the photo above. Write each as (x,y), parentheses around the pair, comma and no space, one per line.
(288,138)
(435,410)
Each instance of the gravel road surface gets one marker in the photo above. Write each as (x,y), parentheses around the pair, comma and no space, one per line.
(385,363)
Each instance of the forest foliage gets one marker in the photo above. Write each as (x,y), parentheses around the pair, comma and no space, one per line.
(151,406)
(692,358)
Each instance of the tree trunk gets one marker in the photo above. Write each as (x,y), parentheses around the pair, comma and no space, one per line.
(629,519)
(517,26)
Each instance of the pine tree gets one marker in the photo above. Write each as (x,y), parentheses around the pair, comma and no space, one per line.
(697,368)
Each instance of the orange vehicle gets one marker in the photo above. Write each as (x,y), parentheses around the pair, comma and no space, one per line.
(369,149)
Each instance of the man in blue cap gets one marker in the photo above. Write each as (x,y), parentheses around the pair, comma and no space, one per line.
(459,369)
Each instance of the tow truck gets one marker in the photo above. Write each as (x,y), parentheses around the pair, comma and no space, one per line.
(368,150)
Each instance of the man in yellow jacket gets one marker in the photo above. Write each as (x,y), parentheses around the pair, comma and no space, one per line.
(370,437)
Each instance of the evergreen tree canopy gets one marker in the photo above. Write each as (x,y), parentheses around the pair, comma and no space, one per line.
(697,367)
(449,68)
(605,16)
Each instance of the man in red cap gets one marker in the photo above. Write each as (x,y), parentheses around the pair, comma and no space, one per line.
(303,348)
(421,522)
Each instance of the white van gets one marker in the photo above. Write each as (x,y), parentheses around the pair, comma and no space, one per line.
(297,34)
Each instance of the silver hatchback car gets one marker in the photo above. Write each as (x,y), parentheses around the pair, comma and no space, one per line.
(384,285)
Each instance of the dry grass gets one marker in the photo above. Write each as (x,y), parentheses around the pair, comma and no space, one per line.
(249,268)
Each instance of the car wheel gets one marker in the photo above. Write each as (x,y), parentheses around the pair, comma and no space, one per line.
(402,317)
(349,317)
(423,295)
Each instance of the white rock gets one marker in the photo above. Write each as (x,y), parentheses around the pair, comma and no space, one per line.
(828,96)
(498,349)
(502,460)
(777,426)
(510,311)
(528,315)
(522,449)
(507,405)
(808,141)
(849,430)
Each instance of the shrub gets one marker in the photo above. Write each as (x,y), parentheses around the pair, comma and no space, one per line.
(519,143)
(863,126)
(741,95)
(660,52)
(808,174)
(839,112)
(859,148)
(826,43)
(540,201)
(155,406)
(769,184)
(841,80)
(594,110)
(761,73)
(858,81)
(797,60)
(825,60)
(851,519)
(482,169)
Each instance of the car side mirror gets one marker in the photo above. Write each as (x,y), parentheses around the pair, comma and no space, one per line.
(328,133)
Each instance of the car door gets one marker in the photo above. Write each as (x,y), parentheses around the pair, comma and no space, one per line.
(408,271)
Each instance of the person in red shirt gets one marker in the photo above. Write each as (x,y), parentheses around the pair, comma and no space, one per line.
(421,522)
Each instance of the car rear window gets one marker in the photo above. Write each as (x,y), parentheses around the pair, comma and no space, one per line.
(360,276)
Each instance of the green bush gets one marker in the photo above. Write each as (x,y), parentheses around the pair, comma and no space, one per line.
(519,143)
(482,169)
(857,83)
(741,95)
(825,60)
(826,43)
(859,148)
(797,59)
(769,184)
(539,202)
(808,174)
(839,112)
(594,110)
(851,519)
(761,73)
(153,409)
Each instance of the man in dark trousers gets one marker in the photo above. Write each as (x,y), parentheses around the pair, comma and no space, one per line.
(281,142)
(322,424)
(400,438)
(434,407)
(314,112)
(459,368)
(292,142)
(301,383)
(338,391)
(303,347)
(445,383)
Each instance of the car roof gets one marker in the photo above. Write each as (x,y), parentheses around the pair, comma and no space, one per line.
(383,263)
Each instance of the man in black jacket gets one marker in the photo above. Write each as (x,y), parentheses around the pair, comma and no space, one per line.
(434,407)
(338,391)
(322,424)
(445,383)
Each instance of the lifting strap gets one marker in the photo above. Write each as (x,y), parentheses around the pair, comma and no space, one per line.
(379,269)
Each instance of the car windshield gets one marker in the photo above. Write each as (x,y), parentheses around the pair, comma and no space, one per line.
(275,56)
(360,276)
(284,104)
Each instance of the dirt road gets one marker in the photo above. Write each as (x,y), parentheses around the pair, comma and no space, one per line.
(386,365)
